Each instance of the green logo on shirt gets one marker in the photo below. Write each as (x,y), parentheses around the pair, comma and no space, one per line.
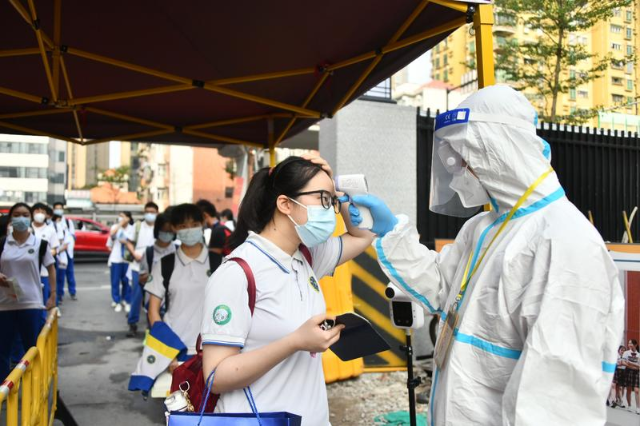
(314,283)
(149,279)
(151,359)
(31,251)
(209,272)
(222,315)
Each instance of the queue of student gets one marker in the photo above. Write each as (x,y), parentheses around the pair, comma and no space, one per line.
(36,260)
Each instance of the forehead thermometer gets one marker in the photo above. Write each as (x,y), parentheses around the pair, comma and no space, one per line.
(356,185)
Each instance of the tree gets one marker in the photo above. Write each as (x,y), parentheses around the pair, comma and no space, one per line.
(558,61)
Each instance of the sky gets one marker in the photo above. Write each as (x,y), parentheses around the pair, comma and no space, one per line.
(420,69)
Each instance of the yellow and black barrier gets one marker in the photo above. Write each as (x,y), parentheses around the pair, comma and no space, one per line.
(29,393)
(368,285)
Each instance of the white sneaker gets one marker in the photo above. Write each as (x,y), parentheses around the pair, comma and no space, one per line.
(127,307)
(118,307)
(113,305)
(59,313)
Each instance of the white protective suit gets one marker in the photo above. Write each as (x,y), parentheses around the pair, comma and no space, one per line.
(542,317)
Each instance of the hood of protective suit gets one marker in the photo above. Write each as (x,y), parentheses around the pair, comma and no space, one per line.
(501,147)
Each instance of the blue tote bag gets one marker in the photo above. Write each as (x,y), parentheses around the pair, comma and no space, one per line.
(177,418)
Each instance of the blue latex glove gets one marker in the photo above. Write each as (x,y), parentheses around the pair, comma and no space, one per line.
(383,220)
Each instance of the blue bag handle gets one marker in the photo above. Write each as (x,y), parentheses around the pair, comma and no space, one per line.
(209,387)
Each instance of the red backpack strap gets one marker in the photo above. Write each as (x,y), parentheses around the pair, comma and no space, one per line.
(251,282)
(306,253)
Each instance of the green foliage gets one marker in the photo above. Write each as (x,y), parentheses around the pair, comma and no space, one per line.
(543,66)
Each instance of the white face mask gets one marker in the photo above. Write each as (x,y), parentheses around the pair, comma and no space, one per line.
(469,189)
(39,217)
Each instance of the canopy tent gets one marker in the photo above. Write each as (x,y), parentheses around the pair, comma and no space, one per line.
(208,73)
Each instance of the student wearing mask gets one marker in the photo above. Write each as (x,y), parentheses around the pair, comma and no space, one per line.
(178,280)
(22,256)
(44,232)
(274,350)
(142,238)
(226,217)
(218,233)
(165,244)
(65,228)
(617,387)
(120,233)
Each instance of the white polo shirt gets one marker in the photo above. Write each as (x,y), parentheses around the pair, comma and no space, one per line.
(70,233)
(288,294)
(186,291)
(145,239)
(116,246)
(47,233)
(20,261)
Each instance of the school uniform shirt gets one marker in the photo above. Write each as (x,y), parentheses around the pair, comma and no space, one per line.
(20,261)
(69,229)
(287,295)
(116,246)
(630,356)
(145,239)
(186,294)
(47,233)
(158,253)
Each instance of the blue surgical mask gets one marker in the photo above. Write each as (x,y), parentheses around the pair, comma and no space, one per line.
(150,217)
(58,212)
(320,225)
(166,237)
(20,224)
(191,236)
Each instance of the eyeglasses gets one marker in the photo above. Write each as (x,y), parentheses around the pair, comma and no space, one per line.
(326,199)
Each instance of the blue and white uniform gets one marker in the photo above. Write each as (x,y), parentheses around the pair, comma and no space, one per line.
(542,317)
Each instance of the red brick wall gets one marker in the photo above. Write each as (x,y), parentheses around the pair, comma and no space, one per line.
(210,178)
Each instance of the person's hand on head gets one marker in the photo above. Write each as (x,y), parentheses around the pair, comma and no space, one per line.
(316,159)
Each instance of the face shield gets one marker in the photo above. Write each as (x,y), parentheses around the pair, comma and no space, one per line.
(455,191)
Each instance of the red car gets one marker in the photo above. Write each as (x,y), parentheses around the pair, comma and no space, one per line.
(91,236)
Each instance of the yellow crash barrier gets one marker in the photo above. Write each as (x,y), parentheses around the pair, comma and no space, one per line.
(34,381)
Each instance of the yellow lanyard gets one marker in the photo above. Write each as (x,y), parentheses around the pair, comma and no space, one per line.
(466,278)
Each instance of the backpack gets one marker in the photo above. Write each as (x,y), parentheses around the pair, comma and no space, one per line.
(226,250)
(191,370)
(167,265)
(44,245)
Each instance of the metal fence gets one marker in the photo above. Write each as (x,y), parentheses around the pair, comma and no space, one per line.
(599,170)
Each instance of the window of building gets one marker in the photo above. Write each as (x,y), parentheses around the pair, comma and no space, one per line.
(445,60)
(472,47)
(629,16)
(61,157)
(629,49)
(446,76)
(617,12)
(572,94)
(584,94)
(629,68)
(572,74)
(629,33)
(617,99)
(616,46)
(630,101)
(437,76)
(437,63)
(617,81)
(617,65)
(616,29)
(629,84)
(572,109)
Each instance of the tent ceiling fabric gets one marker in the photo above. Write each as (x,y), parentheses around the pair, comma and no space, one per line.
(201,72)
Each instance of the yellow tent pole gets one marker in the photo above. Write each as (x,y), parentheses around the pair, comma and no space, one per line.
(483,26)
(272,145)
(125,138)
(130,118)
(455,5)
(221,138)
(266,76)
(36,113)
(406,24)
(291,122)
(43,52)
(67,84)
(34,132)
(19,52)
